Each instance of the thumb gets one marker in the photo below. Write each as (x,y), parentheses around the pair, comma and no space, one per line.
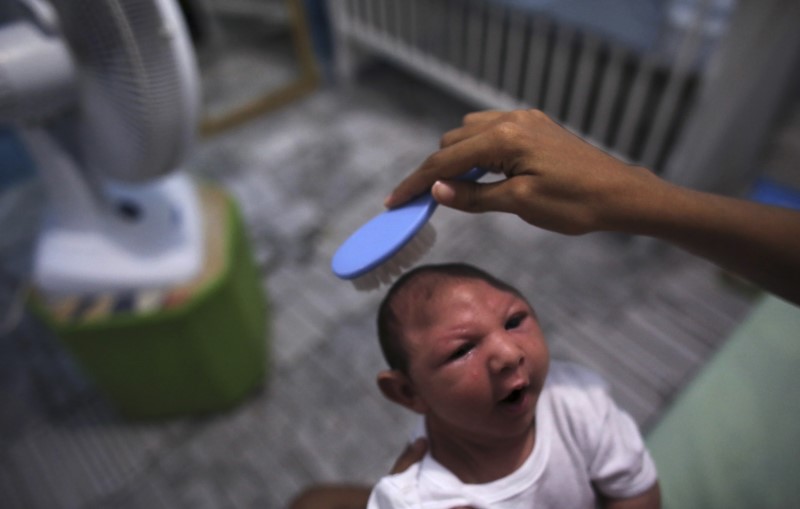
(470,196)
(413,453)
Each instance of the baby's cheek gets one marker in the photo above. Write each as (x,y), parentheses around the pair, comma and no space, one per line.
(465,386)
(542,366)
(539,350)
(476,386)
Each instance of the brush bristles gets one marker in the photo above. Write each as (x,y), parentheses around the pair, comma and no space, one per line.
(392,268)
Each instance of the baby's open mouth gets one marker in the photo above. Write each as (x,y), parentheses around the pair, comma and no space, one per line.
(514,396)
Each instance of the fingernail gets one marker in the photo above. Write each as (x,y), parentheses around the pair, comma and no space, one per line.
(443,192)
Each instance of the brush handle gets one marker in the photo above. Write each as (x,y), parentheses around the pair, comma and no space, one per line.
(384,235)
(473,174)
(425,201)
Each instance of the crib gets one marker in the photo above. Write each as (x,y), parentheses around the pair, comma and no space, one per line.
(642,79)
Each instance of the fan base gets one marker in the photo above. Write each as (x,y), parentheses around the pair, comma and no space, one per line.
(154,240)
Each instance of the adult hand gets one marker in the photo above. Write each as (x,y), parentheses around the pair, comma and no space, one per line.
(413,453)
(555,180)
(344,496)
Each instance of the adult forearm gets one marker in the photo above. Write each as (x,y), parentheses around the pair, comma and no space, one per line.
(758,242)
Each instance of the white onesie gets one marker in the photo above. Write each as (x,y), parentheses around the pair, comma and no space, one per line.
(583,440)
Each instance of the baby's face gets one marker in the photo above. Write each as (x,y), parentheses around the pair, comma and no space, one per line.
(477,359)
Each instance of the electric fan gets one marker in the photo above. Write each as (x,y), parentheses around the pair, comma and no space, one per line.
(105,95)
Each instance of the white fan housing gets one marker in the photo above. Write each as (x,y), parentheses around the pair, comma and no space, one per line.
(105,96)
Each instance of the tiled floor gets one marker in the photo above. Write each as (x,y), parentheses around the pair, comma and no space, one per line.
(645,316)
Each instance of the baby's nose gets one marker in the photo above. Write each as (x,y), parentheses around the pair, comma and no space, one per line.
(506,355)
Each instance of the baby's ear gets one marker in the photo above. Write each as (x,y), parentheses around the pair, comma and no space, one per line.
(397,387)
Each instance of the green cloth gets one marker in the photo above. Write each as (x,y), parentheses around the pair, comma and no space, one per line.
(732,438)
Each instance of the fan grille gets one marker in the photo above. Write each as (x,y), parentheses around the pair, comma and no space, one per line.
(136,83)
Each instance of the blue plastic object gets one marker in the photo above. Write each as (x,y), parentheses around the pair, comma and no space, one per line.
(772,193)
(384,235)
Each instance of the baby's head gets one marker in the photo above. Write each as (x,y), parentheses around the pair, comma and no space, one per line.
(464,348)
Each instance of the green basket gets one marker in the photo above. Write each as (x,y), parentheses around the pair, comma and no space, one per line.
(205,355)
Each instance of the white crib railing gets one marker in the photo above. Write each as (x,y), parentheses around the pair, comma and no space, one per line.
(630,102)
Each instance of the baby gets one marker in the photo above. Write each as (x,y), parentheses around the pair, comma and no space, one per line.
(507,428)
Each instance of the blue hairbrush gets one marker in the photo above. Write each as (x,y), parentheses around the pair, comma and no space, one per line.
(390,242)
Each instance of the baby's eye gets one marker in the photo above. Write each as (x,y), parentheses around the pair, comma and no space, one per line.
(514,321)
(461,351)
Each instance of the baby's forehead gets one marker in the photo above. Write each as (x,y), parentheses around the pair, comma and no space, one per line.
(426,289)
(423,302)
